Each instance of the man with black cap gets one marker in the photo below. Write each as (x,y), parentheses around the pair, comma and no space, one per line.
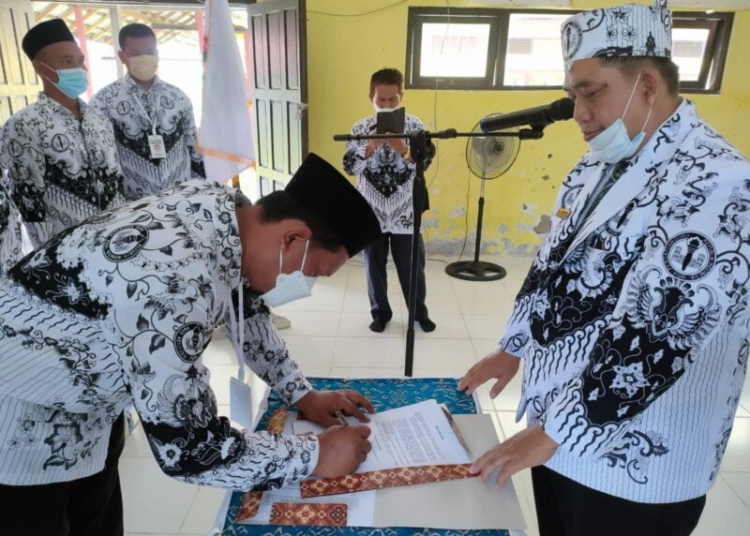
(60,153)
(118,310)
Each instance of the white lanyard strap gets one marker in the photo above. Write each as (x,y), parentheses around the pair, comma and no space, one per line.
(145,113)
(237,324)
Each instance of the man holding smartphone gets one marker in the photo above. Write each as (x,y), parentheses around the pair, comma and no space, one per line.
(386,173)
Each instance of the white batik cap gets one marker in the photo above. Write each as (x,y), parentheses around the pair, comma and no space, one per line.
(629,31)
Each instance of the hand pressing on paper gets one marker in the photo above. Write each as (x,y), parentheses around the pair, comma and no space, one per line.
(342,449)
(499,365)
(529,448)
(321,406)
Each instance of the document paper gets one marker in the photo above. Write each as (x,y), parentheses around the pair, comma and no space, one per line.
(410,436)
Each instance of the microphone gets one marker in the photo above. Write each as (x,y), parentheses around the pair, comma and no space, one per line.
(541,116)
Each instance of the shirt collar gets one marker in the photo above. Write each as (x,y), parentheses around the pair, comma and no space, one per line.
(131,83)
(48,102)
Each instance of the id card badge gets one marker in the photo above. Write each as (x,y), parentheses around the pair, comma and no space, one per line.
(156,146)
(241,403)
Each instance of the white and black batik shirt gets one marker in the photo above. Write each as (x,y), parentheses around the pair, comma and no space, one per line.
(62,170)
(386,179)
(633,321)
(118,311)
(10,229)
(170,109)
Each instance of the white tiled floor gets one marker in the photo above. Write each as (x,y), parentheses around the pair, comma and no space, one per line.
(329,336)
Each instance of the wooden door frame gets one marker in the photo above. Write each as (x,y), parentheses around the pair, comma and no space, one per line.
(29,84)
(266,164)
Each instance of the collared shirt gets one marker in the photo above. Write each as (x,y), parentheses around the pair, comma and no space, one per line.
(62,170)
(135,114)
(386,178)
(633,319)
(118,311)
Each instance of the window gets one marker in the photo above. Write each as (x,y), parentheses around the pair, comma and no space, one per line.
(541,64)
(460,53)
(458,50)
(512,49)
(520,45)
(700,43)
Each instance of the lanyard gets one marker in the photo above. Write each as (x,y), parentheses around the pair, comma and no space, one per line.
(145,113)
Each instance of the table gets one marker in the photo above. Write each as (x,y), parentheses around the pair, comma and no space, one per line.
(385,394)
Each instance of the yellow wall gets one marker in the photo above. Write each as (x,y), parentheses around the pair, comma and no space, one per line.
(344,51)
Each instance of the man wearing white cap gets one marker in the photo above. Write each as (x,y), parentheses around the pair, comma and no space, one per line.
(633,320)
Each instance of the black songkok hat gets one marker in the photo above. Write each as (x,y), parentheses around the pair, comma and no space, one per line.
(45,33)
(325,191)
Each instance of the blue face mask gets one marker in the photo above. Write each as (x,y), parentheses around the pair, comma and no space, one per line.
(613,144)
(290,287)
(72,82)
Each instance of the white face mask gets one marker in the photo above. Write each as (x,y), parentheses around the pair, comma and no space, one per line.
(290,287)
(613,144)
(379,109)
(144,67)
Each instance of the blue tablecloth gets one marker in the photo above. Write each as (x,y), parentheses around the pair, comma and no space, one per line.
(384,394)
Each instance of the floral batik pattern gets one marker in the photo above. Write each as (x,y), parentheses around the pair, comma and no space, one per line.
(633,314)
(131,109)
(118,311)
(386,178)
(62,170)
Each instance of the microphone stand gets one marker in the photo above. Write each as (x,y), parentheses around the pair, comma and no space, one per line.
(422,149)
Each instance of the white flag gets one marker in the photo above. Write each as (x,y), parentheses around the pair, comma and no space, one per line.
(225,137)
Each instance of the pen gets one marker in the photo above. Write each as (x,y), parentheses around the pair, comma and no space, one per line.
(342,419)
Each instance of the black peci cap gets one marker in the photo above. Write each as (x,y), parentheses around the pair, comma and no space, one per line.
(45,33)
(325,191)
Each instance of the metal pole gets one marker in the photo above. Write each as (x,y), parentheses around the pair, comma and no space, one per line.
(81,32)
(114,21)
(419,150)
(201,34)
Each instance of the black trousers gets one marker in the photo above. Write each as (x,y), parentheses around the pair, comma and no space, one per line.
(376,259)
(567,508)
(90,506)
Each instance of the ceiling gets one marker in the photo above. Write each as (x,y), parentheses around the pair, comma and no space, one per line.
(171,23)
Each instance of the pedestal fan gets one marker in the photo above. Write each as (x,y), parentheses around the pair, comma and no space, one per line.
(488,157)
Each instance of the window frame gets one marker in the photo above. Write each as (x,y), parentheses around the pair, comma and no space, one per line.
(719,26)
(713,62)
(494,80)
(414,80)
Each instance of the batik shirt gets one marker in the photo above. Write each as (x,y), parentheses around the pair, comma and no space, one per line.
(118,311)
(386,178)
(62,170)
(10,229)
(170,109)
(633,324)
